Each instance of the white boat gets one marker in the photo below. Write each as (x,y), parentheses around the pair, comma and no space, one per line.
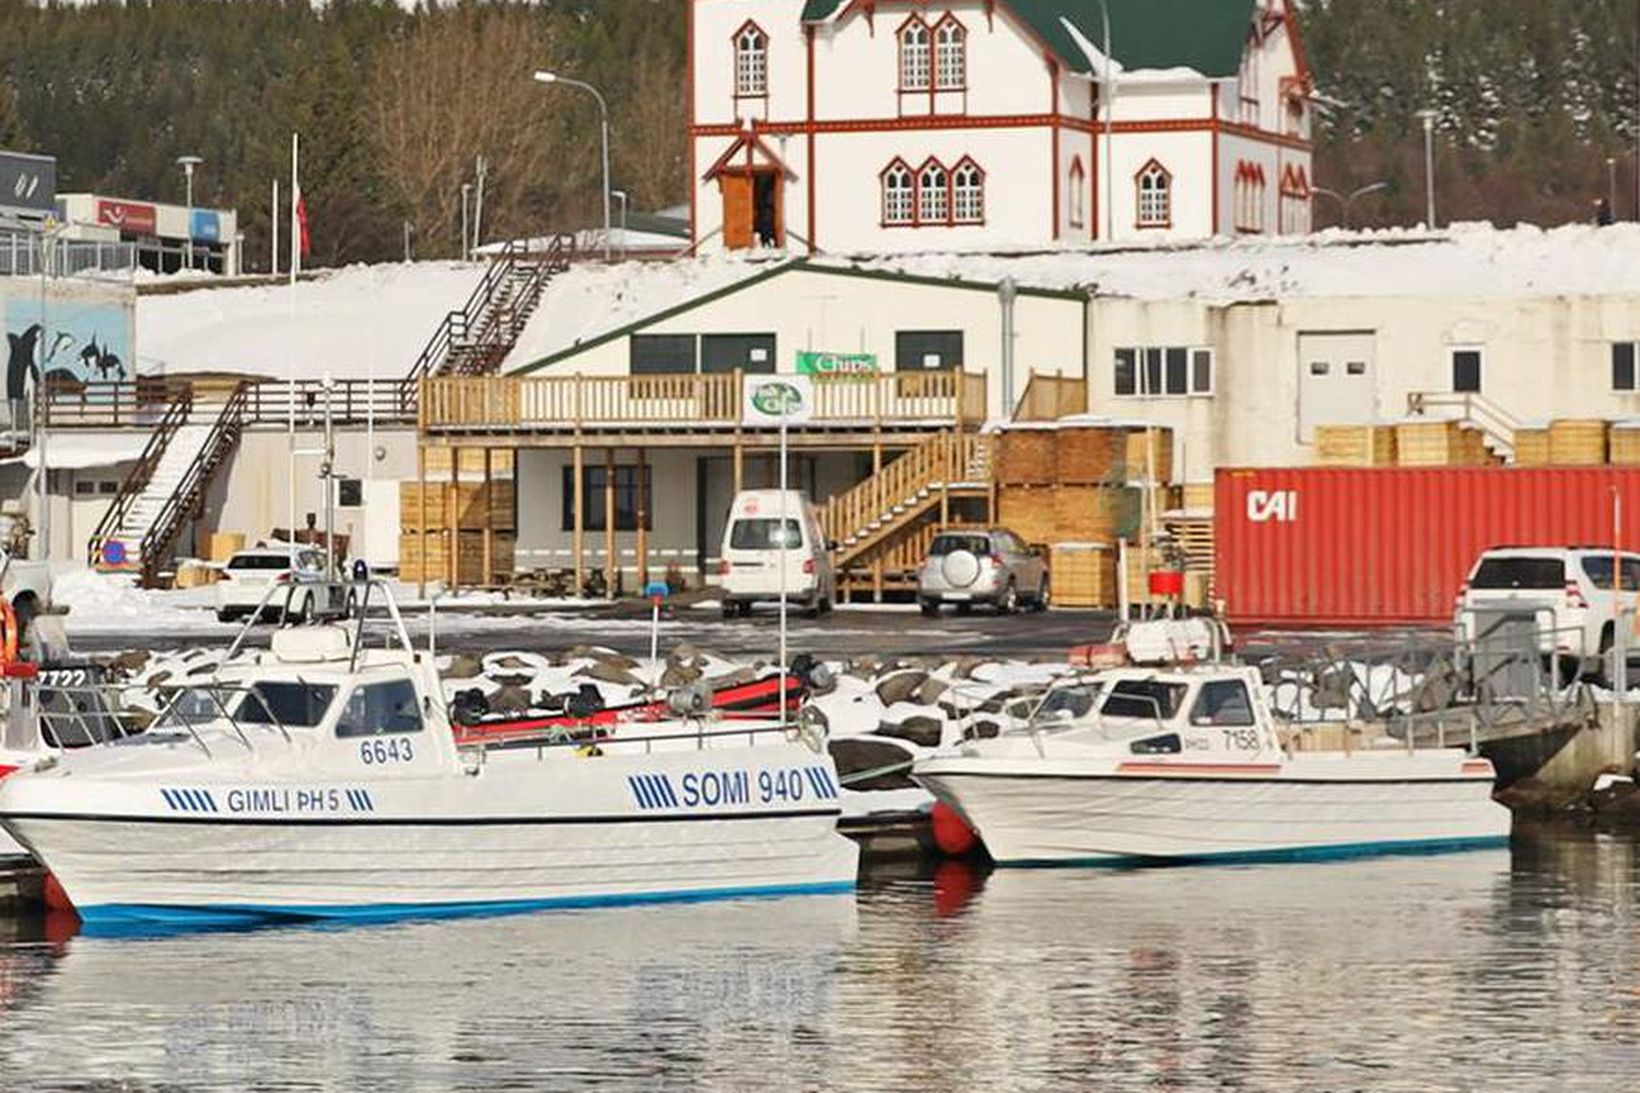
(321,779)
(1163,765)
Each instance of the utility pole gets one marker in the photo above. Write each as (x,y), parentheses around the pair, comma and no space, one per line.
(1428,117)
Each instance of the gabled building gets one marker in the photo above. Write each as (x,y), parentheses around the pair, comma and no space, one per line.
(909,125)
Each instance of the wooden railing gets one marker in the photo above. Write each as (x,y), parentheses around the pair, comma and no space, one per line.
(144,402)
(1049,398)
(566,402)
(865,514)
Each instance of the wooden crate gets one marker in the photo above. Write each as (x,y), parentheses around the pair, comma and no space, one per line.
(1532,447)
(472,463)
(1196,496)
(1194,536)
(469,505)
(1083,574)
(435,566)
(1624,444)
(1088,455)
(1440,444)
(1028,513)
(1355,445)
(1577,442)
(1100,514)
(225,544)
(1159,467)
(1026,457)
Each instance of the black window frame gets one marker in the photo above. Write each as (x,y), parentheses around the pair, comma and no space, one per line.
(346,730)
(911,347)
(1164,371)
(1624,377)
(1465,358)
(626,497)
(750,340)
(649,354)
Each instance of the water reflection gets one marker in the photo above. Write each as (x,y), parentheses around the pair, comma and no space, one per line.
(1496,969)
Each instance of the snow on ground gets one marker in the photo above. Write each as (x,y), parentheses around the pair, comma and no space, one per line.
(100,603)
(353,323)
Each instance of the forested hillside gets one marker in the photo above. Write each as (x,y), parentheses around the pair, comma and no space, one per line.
(393,106)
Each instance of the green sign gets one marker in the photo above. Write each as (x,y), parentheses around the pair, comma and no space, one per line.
(813,363)
(777,399)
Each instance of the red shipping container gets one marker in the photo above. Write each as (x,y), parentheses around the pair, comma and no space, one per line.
(1335,546)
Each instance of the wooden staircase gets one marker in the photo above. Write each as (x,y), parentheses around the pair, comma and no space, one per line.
(166,490)
(476,339)
(883,525)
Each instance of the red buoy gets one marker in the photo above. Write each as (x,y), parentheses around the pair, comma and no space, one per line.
(951,833)
(56,899)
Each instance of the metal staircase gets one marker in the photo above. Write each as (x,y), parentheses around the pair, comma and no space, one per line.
(476,339)
(167,487)
(893,506)
(1497,427)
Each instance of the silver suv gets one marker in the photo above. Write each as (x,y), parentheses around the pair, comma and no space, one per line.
(982,565)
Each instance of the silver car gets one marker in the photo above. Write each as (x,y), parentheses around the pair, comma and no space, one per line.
(982,565)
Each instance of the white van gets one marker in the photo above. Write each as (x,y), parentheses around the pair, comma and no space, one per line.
(754,547)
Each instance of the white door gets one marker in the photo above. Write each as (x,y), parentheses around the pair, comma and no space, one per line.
(1337,380)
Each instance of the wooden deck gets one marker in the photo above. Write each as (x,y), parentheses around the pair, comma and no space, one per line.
(687,410)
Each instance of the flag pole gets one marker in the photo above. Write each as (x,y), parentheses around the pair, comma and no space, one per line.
(290,373)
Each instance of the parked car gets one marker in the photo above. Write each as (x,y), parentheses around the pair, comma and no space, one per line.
(987,565)
(248,574)
(1566,592)
(758,549)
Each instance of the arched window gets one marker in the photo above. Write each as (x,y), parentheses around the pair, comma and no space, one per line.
(914,60)
(899,206)
(968,193)
(751,62)
(933,194)
(950,55)
(1077,192)
(1155,187)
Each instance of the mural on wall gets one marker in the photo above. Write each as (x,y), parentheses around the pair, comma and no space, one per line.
(68,342)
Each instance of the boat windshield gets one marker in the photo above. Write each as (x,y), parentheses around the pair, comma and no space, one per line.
(1066,704)
(1151,699)
(293,705)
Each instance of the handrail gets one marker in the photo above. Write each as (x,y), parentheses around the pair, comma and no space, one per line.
(861,516)
(1480,411)
(176,415)
(118,404)
(167,524)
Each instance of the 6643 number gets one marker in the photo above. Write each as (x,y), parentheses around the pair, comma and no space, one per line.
(392,749)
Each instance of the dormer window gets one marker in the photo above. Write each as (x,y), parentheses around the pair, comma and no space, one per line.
(950,55)
(1155,188)
(751,62)
(915,66)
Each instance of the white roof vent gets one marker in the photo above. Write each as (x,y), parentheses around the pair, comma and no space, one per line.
(312,644)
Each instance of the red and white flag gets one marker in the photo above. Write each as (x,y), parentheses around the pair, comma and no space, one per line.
(300,244)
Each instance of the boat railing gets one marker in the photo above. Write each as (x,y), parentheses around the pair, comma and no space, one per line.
(594,738)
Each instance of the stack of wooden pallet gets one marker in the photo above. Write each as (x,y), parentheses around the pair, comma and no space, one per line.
(1355,445)
(478,518)
(1442,443)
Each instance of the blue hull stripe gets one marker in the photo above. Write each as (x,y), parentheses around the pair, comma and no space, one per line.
(1297,853)
(124,918)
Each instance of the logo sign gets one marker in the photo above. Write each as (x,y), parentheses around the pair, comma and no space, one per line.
(113,553)
(133,217)
(1272,506)
(205,226)
(836,365)
(769,400)
(28,182)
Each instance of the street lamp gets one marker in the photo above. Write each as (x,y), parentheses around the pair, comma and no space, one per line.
(188,163)
(620,195)
(1346,200)
(543,76)
(1428,118)
(1611,186)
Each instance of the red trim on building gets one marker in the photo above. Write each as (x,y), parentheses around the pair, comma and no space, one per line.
(749,142)
(1295,42)
(1214,157)
(1053,135)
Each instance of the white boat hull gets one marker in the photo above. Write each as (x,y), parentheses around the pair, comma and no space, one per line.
(523,834)
(1167,812)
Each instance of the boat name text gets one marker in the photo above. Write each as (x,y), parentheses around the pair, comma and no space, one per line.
(725,788)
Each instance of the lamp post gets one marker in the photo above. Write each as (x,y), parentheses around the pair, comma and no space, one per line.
(543,76)
(1428,118)
(1346,200)
(1611,186)
(188,163)
(620,195)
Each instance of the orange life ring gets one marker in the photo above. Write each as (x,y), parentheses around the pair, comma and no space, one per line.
(8,633)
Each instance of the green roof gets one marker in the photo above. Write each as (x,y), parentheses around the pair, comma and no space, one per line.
(1206,35)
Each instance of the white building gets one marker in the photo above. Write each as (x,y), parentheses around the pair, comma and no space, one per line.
(166,237)
(904,125)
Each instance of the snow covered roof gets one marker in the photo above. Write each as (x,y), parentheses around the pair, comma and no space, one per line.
(1194,37)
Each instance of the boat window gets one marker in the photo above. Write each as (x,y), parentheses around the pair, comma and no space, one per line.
(1157,745)
(1066,704)
(293,705)
(377,708)
(1150,698)
(761,534)
(1222,702)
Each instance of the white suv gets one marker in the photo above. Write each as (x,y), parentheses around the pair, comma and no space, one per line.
(1567,591)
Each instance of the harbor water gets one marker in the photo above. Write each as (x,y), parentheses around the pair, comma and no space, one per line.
(1516,968)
